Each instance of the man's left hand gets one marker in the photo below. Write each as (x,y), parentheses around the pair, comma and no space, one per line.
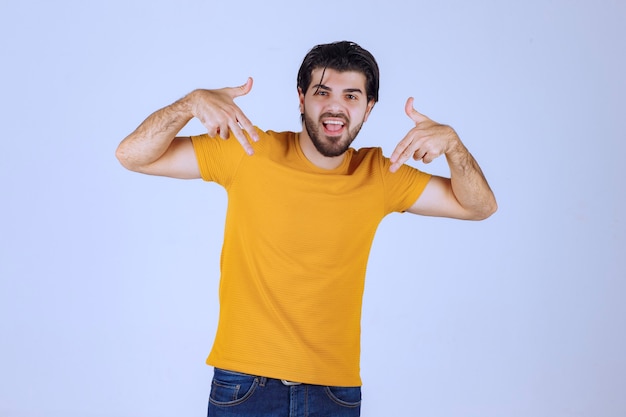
(426,141)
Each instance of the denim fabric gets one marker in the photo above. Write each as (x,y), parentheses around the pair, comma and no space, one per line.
(235,394)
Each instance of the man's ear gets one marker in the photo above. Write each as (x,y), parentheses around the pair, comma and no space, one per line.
(370,106)
(301,99)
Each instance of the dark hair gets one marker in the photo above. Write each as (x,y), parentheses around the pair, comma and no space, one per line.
(341,56)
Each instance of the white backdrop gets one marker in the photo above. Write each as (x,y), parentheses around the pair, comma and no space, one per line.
(108,290)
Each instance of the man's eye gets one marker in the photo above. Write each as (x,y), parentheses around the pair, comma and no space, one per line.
(351,97)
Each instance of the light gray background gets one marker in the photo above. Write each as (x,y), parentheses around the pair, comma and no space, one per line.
(108,291)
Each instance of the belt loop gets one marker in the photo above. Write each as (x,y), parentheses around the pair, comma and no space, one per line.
(262,381)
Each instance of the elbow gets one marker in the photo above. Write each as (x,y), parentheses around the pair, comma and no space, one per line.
(485,211)
(124,159)
(121,156)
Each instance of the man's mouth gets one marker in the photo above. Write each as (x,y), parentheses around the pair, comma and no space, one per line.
(333,127)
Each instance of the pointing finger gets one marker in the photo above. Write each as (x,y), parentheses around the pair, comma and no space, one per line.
(403,151)
(241,137)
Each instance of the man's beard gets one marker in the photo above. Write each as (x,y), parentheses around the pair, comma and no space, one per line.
(330,146)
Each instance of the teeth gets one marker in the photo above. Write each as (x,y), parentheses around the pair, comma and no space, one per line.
(333,122)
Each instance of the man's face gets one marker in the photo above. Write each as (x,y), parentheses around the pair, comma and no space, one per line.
(334,109)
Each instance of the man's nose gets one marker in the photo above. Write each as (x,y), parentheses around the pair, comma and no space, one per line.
(335,106)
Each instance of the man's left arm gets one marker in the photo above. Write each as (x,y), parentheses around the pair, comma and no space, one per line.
(466,194)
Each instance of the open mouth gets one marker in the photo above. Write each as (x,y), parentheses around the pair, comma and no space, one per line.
(333,127)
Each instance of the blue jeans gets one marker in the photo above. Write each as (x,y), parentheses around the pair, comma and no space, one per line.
(235,394)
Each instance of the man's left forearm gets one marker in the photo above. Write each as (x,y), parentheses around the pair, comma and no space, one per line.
(469,184)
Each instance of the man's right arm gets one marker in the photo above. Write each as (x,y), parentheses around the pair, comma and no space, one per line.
(153,148)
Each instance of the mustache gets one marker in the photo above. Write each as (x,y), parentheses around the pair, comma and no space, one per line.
(335,116)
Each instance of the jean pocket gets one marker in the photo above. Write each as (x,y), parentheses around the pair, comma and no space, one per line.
(345,396)
(231,388)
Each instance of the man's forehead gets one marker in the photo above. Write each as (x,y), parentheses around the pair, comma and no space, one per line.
(338,79)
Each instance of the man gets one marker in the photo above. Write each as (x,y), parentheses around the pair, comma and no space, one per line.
(303,208)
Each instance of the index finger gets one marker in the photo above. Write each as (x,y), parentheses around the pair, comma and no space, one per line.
(239,134)
(400,154)
(245,124)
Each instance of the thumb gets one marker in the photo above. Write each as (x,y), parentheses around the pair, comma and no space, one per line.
(416,116)
(242,90)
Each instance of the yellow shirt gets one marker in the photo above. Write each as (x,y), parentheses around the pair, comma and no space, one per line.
(296,243)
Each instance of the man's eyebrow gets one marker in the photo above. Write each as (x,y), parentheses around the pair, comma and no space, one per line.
(321,86)
(327,88)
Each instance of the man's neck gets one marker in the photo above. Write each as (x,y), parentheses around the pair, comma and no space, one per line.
(314,156)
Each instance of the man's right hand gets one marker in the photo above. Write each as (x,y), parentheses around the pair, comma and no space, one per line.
(217,111)
(153,148)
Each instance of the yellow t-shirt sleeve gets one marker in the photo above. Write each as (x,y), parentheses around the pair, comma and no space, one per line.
(403,187)
(217,158)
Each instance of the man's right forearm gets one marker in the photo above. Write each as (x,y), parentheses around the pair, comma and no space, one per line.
(153,137)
